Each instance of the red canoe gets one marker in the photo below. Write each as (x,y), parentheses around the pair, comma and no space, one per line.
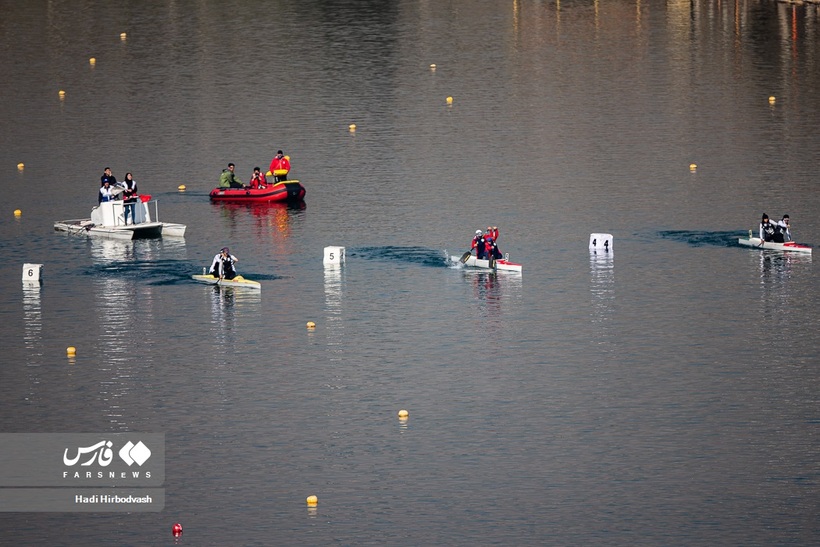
(289,190)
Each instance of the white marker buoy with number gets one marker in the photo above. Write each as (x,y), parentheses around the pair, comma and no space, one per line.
(31,273)
(334,255)
(600,242)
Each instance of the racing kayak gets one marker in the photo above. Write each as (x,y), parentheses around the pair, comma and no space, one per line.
(500,264)
(237,281)
(774,246)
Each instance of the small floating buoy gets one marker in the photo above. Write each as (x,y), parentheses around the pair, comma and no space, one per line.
(92,61)
(21,166)
(61,93)
(693,166)
(311,325)
(449,100)
(352,127)
(403,414)
(123,36)
(181,187)
(312,500)
(71,350)
(176,529)
(433,67)
(772,99)
(17,212)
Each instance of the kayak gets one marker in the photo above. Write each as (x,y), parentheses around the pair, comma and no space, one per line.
(237,281)
(502,264)
(289,190)
(774,246)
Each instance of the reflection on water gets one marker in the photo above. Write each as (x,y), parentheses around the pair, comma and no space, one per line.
(777,269)
(602,284)
(32,335)
(494,291)
(333,309)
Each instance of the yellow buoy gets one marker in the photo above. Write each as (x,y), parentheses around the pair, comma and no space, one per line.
(61,93)
(312,500)
(352,127)
(123,36)
(772,99)
(181,187)
(92,61)
(17,212)
(311,325)
(21,166)
(449,100)
(403,413)
(693,166)
(433,66)
(71,350)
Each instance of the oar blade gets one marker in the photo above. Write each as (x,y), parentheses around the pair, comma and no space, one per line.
(465,257)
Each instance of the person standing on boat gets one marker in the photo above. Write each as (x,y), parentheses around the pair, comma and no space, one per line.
(767,228)
(105,193)
(280,163)
(223,264)
(129,198)
(258,179)
(228,178)
(107,176)
(783,234)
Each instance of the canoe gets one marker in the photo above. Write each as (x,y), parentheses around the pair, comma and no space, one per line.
(502,264)
(289,190)
(771,245)
(237,281)
(108,220)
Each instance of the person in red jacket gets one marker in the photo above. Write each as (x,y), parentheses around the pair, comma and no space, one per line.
(258,180)
(279,167)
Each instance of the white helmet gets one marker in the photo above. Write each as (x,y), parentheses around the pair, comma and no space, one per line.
(478,232)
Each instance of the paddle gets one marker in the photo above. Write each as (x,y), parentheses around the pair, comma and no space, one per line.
(465,257)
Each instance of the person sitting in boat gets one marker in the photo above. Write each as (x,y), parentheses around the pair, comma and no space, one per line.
(223,264)
(228,178)
(767,228)
(492,248)
(280,167)
(105,193)
(479,245)
(129,198)
(107,176)
(783,234)
(258,179)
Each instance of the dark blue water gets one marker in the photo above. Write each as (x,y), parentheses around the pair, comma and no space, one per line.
(663,393)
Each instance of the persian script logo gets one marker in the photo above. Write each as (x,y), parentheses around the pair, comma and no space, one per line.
(130,453)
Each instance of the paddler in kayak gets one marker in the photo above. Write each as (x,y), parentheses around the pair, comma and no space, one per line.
(767,228)
(223,264)
(479,244)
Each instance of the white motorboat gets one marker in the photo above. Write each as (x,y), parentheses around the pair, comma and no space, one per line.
(108,220)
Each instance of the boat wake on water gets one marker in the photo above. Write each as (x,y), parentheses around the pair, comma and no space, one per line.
(703,239)
(414,255)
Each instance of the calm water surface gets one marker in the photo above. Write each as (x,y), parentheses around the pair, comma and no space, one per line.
(662,394)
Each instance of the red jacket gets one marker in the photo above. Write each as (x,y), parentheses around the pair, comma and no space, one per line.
(279,163)
(258,181)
